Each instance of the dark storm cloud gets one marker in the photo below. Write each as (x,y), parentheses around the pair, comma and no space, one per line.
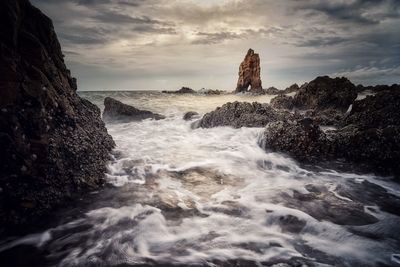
(358,12)
(297,39)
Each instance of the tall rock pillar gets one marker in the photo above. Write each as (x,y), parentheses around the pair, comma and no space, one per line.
(249,74)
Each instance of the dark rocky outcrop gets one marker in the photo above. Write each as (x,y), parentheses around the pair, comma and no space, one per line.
(291,89)
(183,90)
(282,102)
(243,114)
(272,91)
(249,74)
(302,139)
(190,115)
(211,91)
(326,93)
(369,135)
(321,93)
(115,110)
(53,143)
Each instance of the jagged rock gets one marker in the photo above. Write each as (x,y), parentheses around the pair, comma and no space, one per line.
(249,74)
(377,111)
(291,89)
(116,110)
(326,93)
(272,91)
(190,115)
(369,135)
(243,114)
(302,139)
(53,143)
(377,88)
(282,102)
(183,90)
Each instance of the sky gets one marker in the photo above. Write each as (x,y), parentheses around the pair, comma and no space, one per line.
(167,44)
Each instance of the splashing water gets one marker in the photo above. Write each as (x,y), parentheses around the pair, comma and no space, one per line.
(208,197)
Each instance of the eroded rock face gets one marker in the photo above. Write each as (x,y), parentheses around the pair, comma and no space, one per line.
(116,110)
(249,74)
(53,143)
(243,114)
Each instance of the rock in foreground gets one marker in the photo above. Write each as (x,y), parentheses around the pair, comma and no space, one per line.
(116,110)
(368,136)
(53,143)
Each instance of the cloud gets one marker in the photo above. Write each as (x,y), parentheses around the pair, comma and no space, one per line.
(182,40)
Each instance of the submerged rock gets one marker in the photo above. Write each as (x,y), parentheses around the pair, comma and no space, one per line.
(53,143)
(243,114)
(190,115)
(249,74)
(116,110)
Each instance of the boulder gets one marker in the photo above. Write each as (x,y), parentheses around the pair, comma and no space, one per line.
(116,110)
(53,143)
(190,115)
(243,114)
(249,74)
(301,139)
(326,93)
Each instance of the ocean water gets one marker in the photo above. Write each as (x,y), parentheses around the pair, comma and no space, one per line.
(213,197)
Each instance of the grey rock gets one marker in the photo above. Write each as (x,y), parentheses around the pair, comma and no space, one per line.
(115,110)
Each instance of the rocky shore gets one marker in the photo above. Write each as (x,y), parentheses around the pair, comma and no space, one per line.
(53,143)
(323,121)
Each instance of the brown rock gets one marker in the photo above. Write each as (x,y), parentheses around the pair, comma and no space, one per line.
(249,74)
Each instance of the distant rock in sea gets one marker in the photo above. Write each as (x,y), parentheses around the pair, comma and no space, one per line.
(249,74)
(53,143)
(183,90)
(116,110)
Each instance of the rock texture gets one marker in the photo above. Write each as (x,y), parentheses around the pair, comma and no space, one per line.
(53,143)
(369,136)
(116,110)
(324,93)
(249,74)
(243,114)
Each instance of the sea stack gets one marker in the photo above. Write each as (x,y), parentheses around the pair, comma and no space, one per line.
(249,74)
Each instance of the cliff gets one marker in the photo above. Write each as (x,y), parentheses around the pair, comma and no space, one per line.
(52,142)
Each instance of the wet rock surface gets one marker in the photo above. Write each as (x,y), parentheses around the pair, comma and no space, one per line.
(325,93)
(243,114)
(116,110)
(53,143)
(190,115)
(249,74)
